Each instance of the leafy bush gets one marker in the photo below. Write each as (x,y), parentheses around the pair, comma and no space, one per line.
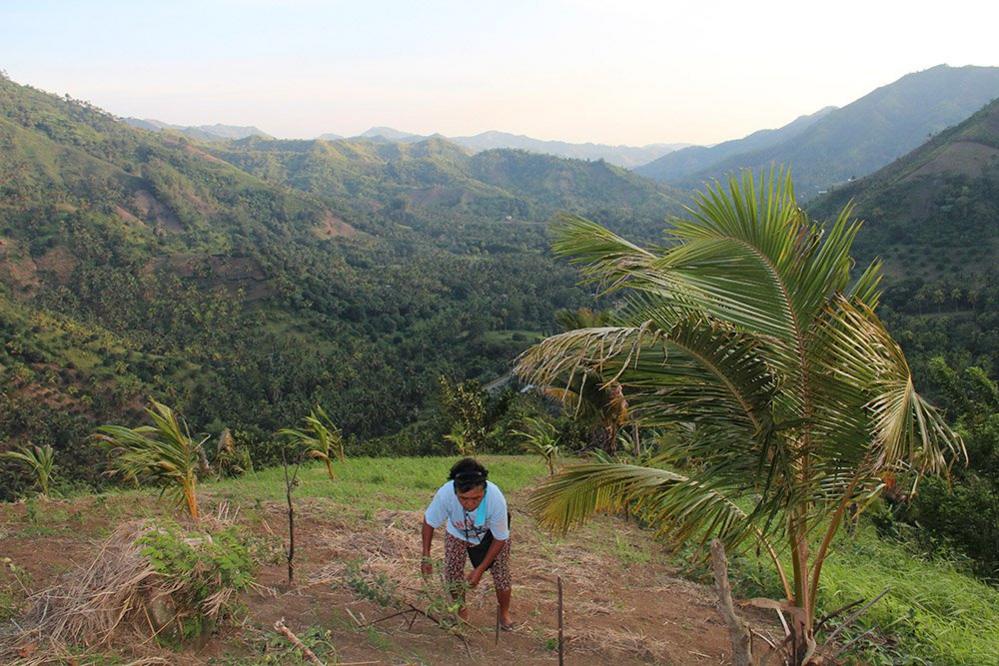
(205,570)
(964,515)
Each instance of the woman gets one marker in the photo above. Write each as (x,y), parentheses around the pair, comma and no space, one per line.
(477,528)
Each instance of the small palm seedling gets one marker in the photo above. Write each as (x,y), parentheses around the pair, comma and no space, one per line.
(463,444)
(320,437)
(164,453)
(540,436)
(40,460)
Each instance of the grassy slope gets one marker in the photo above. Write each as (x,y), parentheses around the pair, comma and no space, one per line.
(349,539)
(403,484)
(933,613)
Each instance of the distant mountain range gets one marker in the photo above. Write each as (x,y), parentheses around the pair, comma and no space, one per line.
(623,156)
(682,163)
(215,132)
(835,145)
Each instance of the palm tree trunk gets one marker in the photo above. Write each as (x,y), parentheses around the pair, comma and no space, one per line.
(191,497)
(820,557)
(329,469)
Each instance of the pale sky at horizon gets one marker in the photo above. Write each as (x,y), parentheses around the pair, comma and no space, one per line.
(632,73)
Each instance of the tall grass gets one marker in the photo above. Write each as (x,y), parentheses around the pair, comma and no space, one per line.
(934,613)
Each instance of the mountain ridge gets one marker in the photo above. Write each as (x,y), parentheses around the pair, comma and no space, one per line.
(869,133)
(688,161)
(942,197)
(214,132)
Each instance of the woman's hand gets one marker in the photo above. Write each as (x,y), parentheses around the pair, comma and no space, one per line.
(427,567)
(473,577)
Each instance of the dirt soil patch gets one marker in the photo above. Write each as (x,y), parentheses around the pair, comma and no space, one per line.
(624,604)
(332,226)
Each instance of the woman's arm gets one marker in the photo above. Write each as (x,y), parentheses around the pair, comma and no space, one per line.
(476,574)
(426,564)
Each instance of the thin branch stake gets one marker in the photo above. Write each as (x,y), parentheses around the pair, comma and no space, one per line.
(561,626)
(289,485)
(742,639)
(308,654)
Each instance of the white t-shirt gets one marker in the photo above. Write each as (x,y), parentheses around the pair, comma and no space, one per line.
(469,526)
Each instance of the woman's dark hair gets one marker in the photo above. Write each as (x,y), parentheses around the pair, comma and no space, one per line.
(468,473)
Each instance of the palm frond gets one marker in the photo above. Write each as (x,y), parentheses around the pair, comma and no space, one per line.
(679,506)
(904,428)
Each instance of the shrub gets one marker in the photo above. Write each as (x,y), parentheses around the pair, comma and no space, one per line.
(205,570)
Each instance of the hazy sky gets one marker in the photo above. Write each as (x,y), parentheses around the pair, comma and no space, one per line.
(606,71)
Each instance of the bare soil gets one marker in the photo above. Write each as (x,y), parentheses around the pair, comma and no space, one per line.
(624,603)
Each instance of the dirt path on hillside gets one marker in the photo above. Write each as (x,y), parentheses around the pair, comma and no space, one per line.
(623,603)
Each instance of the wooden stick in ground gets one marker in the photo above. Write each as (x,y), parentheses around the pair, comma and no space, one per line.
(497,624)
(742,650)
(308,654)
(561,625)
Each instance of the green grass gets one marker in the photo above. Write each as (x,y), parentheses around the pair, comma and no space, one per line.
(933,613)
(369,484)
(507,336)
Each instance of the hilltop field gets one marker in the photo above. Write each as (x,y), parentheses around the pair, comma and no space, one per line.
(627,601)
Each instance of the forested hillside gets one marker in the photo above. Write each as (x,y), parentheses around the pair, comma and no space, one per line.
(431,182)
(136,263)
(933,216)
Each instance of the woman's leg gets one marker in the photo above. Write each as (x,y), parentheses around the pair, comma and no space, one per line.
(502,582)
(455,554)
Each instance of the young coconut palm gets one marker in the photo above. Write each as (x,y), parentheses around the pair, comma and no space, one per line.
(540,437)
(40,460)
(164,453)
(748,330)
(320,437)
(464,445)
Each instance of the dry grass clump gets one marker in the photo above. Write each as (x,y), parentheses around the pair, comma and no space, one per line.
(92,604)
(606,640)
(388,550)
(144,582)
